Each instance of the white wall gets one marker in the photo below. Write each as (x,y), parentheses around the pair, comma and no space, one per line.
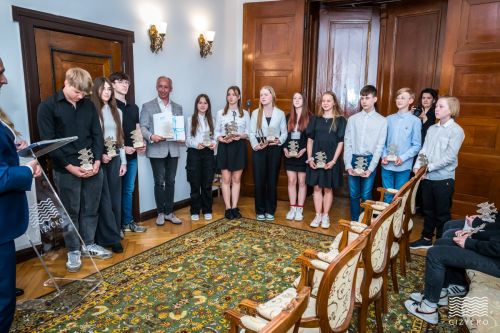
(179,60)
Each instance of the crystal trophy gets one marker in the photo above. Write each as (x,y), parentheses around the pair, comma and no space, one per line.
(207,140)
(320,159)
(293,148)
(86,158)
(487,211)
(392,153)
(360,165)
(261,138)
(231,129)
(271,134)
(137,139)
(110,144)
(422,158)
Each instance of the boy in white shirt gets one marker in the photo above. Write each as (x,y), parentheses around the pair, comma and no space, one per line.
(441,146)
(363,144)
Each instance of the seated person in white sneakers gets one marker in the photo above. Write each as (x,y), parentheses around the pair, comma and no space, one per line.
(445,268)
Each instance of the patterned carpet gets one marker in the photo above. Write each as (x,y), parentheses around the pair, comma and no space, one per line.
(185,285)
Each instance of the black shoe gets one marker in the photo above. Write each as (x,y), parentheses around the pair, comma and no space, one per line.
(229,214)
(236,213)
(422,243)
(117,248)
(19,292)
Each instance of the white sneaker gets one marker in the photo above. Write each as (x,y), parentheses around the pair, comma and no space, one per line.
(325,221)
(443,297)
(316,222)
(299,216)
(74,262)
(208,216)
(423,311)
(96,251)
(195,217)
(291,213)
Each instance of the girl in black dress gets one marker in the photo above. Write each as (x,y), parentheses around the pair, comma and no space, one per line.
(295,164)
(325,134)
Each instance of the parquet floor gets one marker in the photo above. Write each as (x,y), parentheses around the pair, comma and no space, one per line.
(30,274)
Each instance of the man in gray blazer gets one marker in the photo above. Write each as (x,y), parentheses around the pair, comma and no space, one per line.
(162,154)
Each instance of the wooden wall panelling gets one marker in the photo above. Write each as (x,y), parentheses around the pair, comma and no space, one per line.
(412,38)
(471,72)
(273,36)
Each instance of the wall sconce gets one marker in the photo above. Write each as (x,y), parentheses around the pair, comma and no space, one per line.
(206,43)
(157,36)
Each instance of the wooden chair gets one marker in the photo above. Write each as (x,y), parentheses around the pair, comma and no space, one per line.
(410,213)
(372,269)
(286,319)
(331,310)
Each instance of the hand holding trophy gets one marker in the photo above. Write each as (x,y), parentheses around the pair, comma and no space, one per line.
(320,159)
(87,159)
(360,165)
(137,139)
(207,140)
(293,148)
(110,144)
(392,155)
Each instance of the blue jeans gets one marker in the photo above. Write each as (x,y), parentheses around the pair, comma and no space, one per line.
(128,185)
(359,188)
(395,180)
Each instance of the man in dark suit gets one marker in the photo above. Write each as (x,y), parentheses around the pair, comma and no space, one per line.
(162,154)
(15,180)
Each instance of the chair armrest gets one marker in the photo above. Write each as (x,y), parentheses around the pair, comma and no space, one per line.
(234,318)
(310,253)
(345,224)
(248,306)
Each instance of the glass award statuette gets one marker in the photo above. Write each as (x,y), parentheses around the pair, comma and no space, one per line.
(487,211)
(207,140)
(360,165)
(110,144)
(261,138)
(137,139)
(422,158)
(87,159)
(293,148)
(392,155)
(320,159)
(271,134)
(231,129)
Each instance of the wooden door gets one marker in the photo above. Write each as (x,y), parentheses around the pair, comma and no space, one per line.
(347,53)
(57,52)
(411,39)
(273,34)
(471,72)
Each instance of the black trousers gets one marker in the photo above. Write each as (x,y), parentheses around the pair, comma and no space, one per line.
(436,204)
(110,207)
(164,170)
(266,167)
(200,169)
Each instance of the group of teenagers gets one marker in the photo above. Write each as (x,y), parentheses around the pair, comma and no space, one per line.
(99,199)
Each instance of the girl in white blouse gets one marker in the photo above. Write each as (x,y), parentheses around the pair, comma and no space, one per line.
(268,132)
(232,149)
(114,166)
(200,162)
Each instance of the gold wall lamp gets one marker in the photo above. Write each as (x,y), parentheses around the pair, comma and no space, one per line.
(157,36)
(206,42)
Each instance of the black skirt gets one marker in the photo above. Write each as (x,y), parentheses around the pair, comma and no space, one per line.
(296,164)
(232,156)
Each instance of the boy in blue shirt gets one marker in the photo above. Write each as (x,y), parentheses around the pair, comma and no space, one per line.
(402,144)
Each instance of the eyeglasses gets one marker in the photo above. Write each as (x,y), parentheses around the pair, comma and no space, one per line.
(125,82)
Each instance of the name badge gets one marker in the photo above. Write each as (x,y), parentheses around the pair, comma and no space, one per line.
(295,135)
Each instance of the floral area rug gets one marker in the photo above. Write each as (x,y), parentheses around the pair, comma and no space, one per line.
(186,284)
